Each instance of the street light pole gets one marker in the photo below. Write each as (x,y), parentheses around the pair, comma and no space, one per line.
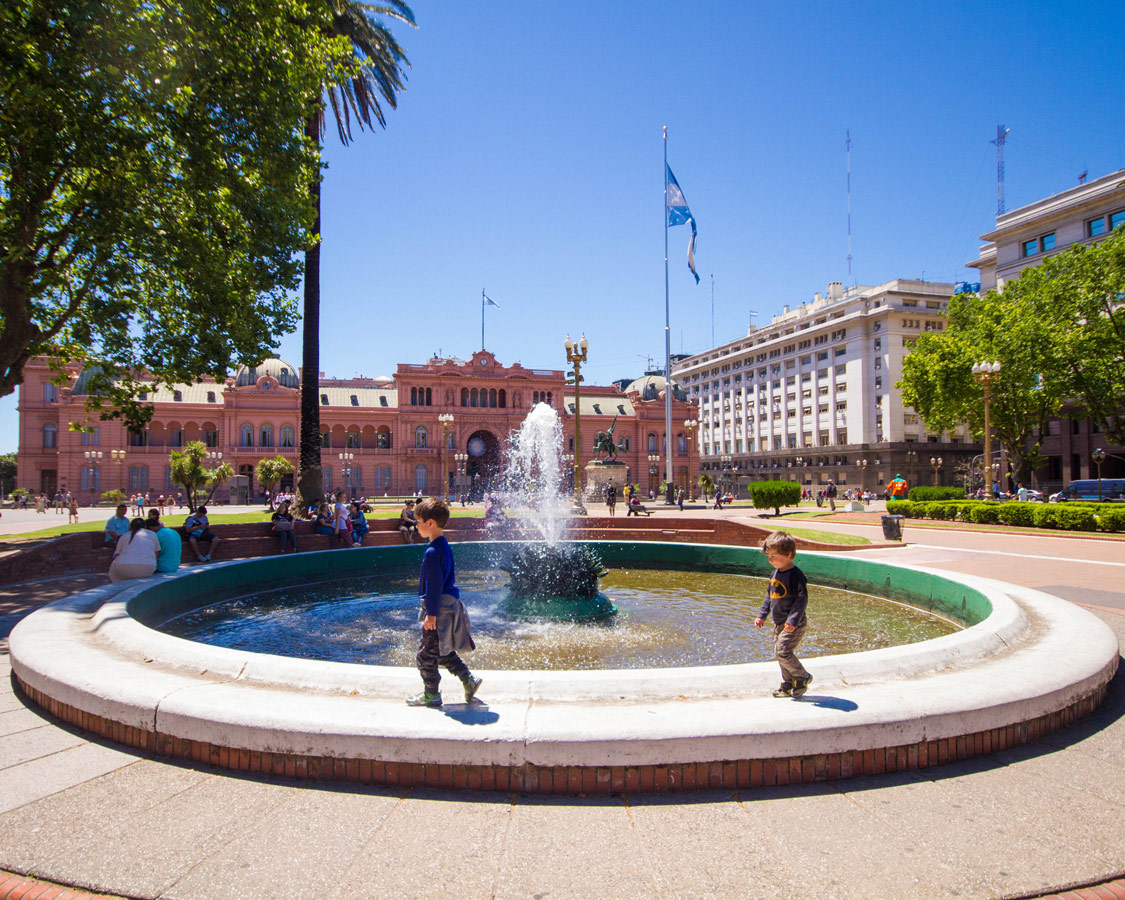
(445,420)
(118,456)
(936,463)
(689,426)
(862,464)
(1099,458)
(94,465)
(576,355)
(346,465)
(985,373)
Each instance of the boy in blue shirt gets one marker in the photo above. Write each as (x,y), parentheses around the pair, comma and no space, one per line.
(445,624)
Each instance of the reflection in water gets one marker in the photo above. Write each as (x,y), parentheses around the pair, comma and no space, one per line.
(665,618)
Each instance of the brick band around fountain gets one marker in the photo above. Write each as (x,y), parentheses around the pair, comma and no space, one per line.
(1011,677)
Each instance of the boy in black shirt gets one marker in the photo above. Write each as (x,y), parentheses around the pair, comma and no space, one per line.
(787,597)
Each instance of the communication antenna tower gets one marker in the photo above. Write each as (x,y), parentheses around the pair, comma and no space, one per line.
(1001,137)
(848,146)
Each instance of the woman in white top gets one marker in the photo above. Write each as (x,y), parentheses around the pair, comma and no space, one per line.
(136,552)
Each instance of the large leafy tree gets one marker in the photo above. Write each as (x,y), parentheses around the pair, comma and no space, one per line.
(1079,295)
(355,92)
(154,174)
(938,381)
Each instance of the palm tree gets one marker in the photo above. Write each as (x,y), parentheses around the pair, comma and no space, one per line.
(376,76)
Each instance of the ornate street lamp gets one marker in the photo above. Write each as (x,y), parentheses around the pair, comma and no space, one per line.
(118,456)
(461,460)
(985,373)
(689,426)
(576,355)
(94,464)
(653,470)
(935,461)
(346,467)
(862,465)
(725,462)
(445,420)
(1099,457)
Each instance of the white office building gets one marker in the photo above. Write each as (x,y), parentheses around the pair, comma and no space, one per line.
(815,390)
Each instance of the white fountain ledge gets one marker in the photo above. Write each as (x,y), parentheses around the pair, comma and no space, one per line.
(1018,665)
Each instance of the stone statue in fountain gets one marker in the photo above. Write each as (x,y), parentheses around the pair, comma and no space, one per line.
(604,443)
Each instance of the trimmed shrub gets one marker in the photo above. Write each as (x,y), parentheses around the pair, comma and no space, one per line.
(962,511)
(1046,515)
(985,513)
(923,494)
(1015,513)
(1076,518)
(899,507)
(774,494)
(934,510)
(1112,519)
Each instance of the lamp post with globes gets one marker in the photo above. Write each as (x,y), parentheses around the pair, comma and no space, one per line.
(346,469)
(862,465)
(94,464)
(460,460)
(653,471)
(935,461)
(986,373)
(576,355)
(1099,457)
(689,426)
(118,456)
(445,420)
(215,458)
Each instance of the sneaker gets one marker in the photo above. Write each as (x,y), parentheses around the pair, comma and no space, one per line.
(801,685)
(433,701)
(786,690)
(471,685)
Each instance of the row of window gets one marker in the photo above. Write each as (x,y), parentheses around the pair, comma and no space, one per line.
(1099,226)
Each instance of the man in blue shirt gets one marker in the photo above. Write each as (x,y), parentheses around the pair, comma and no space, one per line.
(116,525)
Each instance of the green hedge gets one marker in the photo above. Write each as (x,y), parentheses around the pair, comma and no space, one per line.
(1063,516)
(923,494)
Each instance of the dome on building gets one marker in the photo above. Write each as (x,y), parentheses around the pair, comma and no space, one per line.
(384,379)
(285,373)
(651,387)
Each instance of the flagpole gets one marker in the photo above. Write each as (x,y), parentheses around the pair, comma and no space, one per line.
(670,493)
(482,318)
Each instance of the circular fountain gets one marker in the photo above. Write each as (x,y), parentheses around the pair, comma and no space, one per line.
(1008,677)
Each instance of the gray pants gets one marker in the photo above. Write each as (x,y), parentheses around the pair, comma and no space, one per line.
(784,645)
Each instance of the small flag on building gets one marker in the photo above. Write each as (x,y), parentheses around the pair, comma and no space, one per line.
(679,214)
(489,301)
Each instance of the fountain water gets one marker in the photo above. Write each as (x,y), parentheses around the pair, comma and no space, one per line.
(550,578)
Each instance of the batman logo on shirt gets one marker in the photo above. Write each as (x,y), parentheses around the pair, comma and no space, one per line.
(777,590)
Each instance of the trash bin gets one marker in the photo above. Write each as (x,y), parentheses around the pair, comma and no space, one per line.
(892,527)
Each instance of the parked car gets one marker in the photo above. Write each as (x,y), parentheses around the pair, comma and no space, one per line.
(1035,496)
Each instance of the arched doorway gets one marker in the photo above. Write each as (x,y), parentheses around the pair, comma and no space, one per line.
(484,462)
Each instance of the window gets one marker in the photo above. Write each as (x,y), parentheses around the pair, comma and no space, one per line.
(1117,219)
(681,443)
(246,437)
(138,478)
(421,475)
(265,436)
(50,392)
(1048,242)
(841,351)
(325,441)
(211,437)
(210,396)
(138,438)
(383,439)
(651,443)
(355,400)
(286,436)
(92,437)
(421,439)
(177,396)
(323,399)
(176,437)
(822,356)
(878,342)
(383,478)
(352,440)
(50,436)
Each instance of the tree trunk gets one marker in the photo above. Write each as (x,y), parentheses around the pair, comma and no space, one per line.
(310,483)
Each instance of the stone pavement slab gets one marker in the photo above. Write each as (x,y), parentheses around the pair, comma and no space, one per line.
(47,775)
(434,845)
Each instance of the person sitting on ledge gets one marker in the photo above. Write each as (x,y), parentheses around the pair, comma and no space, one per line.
(116,525)
(322,524)
(171,546)
(636,507)
(408,522)
(197,528)
(135,554)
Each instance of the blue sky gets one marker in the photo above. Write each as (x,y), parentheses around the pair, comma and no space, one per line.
(525,158)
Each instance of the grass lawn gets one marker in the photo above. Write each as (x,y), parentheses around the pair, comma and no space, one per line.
(825,537)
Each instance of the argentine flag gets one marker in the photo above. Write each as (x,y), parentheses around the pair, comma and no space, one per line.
(678,213)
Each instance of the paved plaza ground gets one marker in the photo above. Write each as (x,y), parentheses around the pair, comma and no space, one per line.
(1020,823)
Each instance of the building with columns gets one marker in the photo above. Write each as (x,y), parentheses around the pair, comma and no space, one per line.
(379,435)
(811,396)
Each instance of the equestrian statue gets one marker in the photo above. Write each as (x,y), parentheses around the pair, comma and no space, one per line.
(604,443)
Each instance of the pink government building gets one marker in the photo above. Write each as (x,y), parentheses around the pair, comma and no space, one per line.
(380,436)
